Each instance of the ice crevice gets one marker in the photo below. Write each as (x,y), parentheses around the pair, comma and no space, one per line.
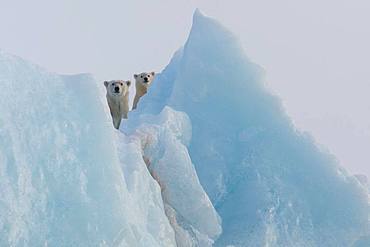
(161,140)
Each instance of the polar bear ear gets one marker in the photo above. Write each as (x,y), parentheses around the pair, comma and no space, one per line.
(106,83)
(135,76)
(152,73)
(128,83)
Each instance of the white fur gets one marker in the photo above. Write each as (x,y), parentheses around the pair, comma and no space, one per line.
(118,100)
(142,84)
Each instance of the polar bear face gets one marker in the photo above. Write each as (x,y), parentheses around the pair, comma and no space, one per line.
(144,79)
(117,88)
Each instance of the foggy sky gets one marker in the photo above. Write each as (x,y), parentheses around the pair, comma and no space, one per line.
(315,53)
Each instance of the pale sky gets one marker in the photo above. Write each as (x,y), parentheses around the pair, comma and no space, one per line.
(315,53)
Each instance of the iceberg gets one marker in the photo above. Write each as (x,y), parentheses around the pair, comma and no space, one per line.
(269,182)
(209,158)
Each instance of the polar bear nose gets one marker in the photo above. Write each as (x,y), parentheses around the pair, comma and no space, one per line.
(116,89)
(146,79)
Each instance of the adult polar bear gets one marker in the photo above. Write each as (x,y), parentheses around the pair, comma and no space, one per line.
(117,97)
(142,84)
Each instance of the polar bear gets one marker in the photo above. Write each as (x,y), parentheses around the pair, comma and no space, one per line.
(117,97)
(142,83)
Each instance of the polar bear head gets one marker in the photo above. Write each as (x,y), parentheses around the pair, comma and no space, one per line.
(144,79)
(117,87)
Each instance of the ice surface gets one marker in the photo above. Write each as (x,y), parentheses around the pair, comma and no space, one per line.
(363,242)
(63,181)
(270,183)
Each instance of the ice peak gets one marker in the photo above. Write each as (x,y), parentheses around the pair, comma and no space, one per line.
(208,34)
(198,14)
(199,19)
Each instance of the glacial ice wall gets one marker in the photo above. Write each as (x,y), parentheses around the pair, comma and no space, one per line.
(270,183)
(63,181)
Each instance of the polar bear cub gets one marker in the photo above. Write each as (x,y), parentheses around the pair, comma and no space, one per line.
(117,97)
(142,84)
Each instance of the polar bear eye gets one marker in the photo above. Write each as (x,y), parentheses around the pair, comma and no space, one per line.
(121,84)
(141,76)
(148,75)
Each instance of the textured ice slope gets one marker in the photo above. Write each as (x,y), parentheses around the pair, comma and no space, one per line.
(62,180)
(270,183)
